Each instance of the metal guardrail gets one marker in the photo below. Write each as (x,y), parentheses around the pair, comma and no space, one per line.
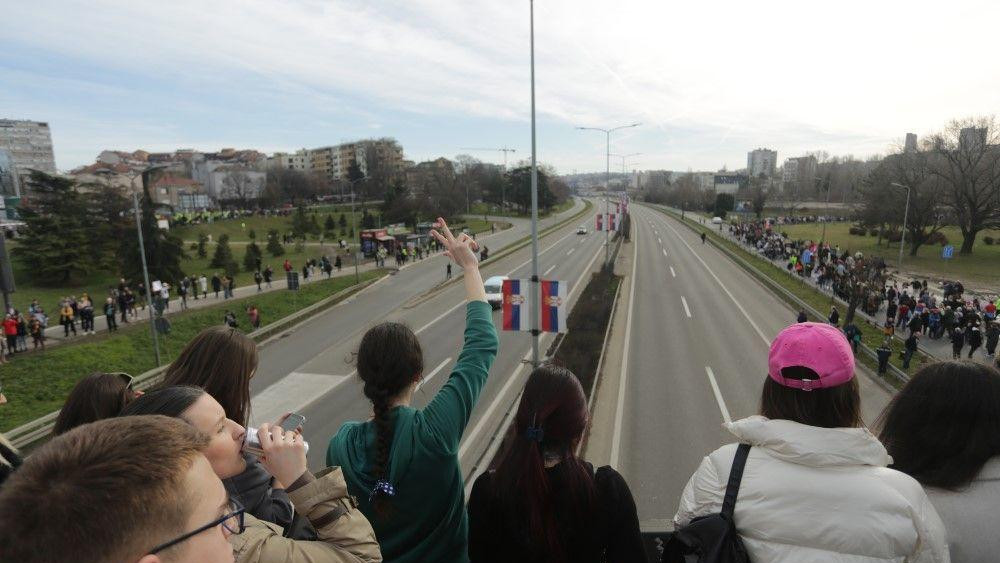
(788,295)
(41,428)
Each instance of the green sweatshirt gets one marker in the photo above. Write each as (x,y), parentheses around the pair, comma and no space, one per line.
(427,521)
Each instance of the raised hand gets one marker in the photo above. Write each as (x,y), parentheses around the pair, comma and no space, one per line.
(462,249)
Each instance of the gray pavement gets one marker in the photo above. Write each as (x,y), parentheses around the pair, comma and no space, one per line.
(696,356)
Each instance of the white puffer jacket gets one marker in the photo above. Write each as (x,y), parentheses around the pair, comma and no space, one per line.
(817,494)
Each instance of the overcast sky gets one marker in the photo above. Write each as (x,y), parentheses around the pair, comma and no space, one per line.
(708,80)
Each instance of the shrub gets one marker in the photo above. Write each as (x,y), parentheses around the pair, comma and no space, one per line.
(988,240)
(193,246)
(873,232)
(937,238)
(860,231)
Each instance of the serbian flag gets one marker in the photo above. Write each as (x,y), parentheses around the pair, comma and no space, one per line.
(515,305)
(612,222)
(600,222)
(553,306)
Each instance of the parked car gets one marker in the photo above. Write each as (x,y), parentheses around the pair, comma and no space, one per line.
(494,291)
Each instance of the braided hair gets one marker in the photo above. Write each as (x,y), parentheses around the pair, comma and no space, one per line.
(389,359)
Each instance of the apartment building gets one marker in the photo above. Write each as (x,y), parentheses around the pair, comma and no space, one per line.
(762,161)
(28,144)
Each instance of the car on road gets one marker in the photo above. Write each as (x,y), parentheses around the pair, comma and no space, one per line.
(494,291)
(581,230)
(716,220)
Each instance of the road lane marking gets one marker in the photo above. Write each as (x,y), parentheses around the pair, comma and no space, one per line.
(552,267)
(739,306)
(616,436)
(293,393)
(434,372)
(664,252)
(718,395)
(672,273)
(570,251)
(659,240)
(686,310)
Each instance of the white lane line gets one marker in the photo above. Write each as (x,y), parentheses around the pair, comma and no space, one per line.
(672,273)
(434,372)
(739,306)
(292,393)
(552,267)
(686,310)
(570,251)
(664,252)
(718,395)
(616,436)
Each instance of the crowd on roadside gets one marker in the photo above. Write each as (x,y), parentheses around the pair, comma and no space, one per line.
(176,473)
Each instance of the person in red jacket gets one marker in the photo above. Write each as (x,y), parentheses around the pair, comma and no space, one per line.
(10,332)
(288,266)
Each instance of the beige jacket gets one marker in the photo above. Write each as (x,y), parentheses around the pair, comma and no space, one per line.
(345,535)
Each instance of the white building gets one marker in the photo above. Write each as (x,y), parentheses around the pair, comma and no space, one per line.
(29,144)
(799,173)
(729,183)
(298,160)
(762,161)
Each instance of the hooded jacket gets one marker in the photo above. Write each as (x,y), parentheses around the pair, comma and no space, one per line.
(817,494)
(970,515)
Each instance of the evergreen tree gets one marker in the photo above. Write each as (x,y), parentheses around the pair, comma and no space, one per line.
(223,257)
(300,223)
(273,244)
(252,256)
(329,226)
(202,241)
(342,222)
(314,227)
(164,250)
(54,246)
(252,235)
(109,215)
(367,221)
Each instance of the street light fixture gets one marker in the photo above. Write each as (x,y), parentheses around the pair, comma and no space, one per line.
(357,274)
(827,208)
(906,213)
(607,178)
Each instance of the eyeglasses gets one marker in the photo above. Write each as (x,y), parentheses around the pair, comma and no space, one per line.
(127,379)
(232,523)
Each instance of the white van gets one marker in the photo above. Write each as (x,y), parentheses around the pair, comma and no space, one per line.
(494,291)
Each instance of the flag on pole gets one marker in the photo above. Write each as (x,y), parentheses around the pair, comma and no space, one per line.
(553,306)
(600,222)
(515,305)
(612,222)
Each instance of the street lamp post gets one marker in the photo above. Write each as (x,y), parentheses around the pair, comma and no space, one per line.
(607,179)
(357,273)
(826,209)
(535,297)
(906,213)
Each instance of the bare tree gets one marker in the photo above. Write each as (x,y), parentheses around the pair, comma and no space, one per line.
(966,157)
(926,213)
(240,187)
(759,193)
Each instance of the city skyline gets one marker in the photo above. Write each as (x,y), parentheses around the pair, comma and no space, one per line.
(438,78)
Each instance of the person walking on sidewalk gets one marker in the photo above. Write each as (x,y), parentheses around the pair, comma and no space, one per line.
(447,271)
(992,337)
(67,319)
(123,304)
(268,274)
(203,285)
(258,278)
(975,338)
(957,342)
(834,317)
(86,309)
(254,314)
(216,284)
(287,266)
(909,349)
(10,333)
(883,353)
(37,330)
(338,263)
(109,315)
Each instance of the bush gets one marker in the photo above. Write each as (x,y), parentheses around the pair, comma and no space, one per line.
(989,240)
(873,232)
(860,231)
(937,238)
(193,246)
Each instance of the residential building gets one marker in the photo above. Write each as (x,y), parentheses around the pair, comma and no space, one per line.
(911,143)
(762,161)
(299,160)
(10,184)
(729,183)
(183,194)
(972,138)
(799,173)
(420,175)
(29,145)
(333,163)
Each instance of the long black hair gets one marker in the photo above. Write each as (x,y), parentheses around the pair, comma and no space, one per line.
(389,360)
(944,425)
(550,421)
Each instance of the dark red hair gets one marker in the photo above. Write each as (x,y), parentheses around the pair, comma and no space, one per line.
(550,420)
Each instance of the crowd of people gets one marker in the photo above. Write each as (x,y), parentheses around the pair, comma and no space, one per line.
(176,474)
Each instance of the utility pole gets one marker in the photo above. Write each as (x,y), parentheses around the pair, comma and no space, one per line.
(607,180)
(535,309)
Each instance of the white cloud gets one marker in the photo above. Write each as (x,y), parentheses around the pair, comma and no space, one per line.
(708,79)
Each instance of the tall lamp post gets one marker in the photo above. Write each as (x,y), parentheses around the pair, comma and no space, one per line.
(142,248)
(357,273)
(607,178)
(535,298)
(827,208)
(906,213)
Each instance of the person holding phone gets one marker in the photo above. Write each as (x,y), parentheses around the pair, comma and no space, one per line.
(343,534)
(403,464)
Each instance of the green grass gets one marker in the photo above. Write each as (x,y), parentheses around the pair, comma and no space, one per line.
(871,335)
(981,268)
(261,225)
(37,383)
(491,209)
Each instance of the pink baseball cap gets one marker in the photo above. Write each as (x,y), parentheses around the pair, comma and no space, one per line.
(817,346)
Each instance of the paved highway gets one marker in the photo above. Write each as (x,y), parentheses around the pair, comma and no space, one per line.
(697,355)
(308,368)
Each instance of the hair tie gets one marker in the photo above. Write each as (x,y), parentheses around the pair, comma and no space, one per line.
(534,433)
(382,488)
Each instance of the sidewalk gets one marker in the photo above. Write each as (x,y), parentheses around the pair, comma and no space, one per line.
(939,349)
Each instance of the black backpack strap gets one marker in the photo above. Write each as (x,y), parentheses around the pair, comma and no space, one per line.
(735,476)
